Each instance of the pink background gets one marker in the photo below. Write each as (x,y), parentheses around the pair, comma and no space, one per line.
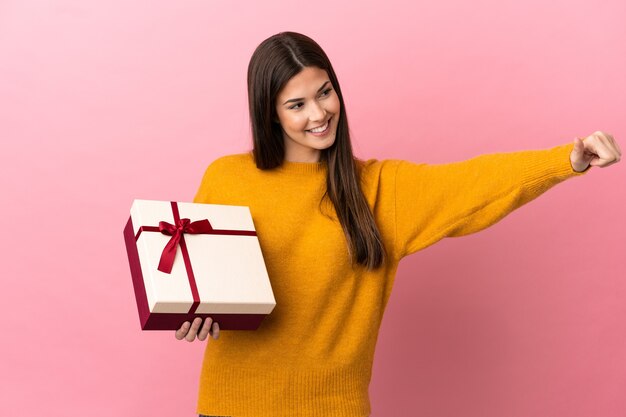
(103,102)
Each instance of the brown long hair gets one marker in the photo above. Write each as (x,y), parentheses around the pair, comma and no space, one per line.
(274,62)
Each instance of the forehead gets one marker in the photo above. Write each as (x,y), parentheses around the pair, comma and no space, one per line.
(304,83)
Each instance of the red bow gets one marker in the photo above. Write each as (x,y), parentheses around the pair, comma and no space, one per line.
(182,226)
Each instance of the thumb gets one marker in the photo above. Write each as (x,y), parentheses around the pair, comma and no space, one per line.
(578,153)
(578,145)
(580,159)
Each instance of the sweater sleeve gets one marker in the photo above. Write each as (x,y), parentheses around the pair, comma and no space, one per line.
(202,193)
(211,175)
(434,201)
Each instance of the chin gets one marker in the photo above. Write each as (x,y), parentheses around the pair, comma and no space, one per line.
(330,144)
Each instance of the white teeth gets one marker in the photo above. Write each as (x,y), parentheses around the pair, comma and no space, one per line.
(319,129)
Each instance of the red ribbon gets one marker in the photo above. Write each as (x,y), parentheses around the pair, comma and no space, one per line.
(177,230)
(182,226)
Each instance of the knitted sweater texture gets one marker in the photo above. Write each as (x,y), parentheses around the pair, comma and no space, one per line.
(313,355)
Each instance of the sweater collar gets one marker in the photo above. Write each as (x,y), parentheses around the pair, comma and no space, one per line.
(302,167)
(298,167)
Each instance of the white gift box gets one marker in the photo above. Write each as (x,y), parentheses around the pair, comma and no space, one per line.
(217,267)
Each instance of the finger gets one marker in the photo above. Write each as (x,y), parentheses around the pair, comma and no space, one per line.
(180,333)
(193,331)
(606,152)
(615,147)
(216,330)
(614,142)
(595,162)
(608,141)
(204,332)
(600,150)
(603,162)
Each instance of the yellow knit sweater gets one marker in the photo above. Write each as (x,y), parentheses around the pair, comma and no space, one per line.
(313,355)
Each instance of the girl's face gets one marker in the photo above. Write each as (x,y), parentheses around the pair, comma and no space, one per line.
(306,102)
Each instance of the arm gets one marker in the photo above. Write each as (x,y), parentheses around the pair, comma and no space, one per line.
(434,201)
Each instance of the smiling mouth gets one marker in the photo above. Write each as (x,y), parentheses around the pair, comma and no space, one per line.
(327,124)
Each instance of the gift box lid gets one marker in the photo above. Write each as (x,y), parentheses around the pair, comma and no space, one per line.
(228,268)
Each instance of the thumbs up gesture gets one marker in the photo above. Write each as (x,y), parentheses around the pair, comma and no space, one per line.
(598,149)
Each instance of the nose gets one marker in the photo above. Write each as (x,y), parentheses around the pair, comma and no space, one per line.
(318,112)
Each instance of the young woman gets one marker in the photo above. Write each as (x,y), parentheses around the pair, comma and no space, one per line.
(333,229)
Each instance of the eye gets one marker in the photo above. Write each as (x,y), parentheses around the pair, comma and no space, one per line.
(325,93)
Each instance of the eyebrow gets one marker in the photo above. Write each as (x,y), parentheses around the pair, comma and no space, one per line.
(302,98)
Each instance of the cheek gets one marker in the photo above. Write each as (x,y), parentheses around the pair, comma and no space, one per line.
(289,122)
(286,120)
(297,123)
(336,105)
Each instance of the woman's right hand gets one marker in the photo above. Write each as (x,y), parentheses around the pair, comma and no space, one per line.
(189,331)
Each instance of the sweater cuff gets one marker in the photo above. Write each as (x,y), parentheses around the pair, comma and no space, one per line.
(551,166)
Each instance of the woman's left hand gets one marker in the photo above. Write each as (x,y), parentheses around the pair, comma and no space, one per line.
(598,149)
